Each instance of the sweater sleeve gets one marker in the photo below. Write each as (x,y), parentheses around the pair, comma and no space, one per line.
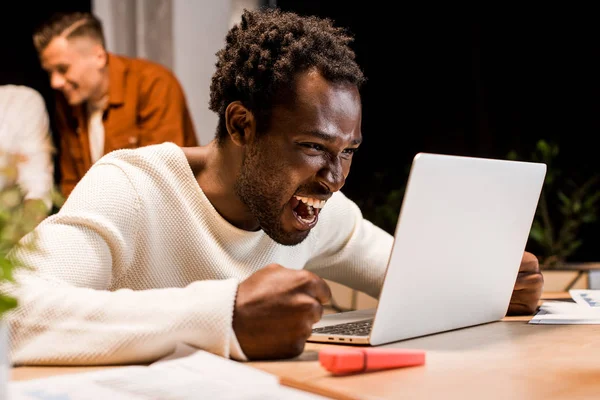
(350,249)
(36,172)
(67,313)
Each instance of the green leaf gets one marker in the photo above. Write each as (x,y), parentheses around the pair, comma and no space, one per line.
(564,199)
(537,234)
(544,148)
(7,303)
(571,247)
(6,270)
(591,200)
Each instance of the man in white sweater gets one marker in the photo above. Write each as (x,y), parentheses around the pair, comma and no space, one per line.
(223,247)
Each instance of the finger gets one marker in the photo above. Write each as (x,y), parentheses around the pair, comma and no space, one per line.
(529,280)
(526,296)
(316,286)
(524,301)
(308,308)
(529,263)
(317,313)
(323,292)
(308,329)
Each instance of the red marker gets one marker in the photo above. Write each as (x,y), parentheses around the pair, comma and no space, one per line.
(343,361)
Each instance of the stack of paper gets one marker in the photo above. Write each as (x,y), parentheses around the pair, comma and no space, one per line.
(589,298)
(200,375)
(585,309)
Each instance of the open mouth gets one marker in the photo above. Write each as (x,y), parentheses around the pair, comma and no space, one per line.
(306,210)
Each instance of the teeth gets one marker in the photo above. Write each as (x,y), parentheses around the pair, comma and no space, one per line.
(310,218)
(312,202)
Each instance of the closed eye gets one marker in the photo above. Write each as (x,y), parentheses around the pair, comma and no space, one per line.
(320,149)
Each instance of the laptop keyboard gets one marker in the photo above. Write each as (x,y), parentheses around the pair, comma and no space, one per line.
(358,328)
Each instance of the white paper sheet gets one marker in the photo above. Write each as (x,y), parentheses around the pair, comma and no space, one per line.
(187,374)
(566,313)
(589,298)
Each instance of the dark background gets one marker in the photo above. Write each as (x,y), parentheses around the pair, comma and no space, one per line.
(455,81)
(465,82)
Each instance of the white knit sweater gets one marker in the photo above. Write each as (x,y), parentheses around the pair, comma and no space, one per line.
(138,260)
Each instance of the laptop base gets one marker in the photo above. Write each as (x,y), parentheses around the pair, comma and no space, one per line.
(331,320)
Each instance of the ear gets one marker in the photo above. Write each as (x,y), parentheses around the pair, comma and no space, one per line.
(100,55)
(240,123)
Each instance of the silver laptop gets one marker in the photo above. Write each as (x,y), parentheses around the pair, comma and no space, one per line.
(459,239)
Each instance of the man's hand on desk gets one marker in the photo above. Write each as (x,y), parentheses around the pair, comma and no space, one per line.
(528,288)
(275,310)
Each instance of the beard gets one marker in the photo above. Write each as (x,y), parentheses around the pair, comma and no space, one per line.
(260,188)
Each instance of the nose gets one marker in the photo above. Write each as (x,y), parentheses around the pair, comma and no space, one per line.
(57,81)
(332,175)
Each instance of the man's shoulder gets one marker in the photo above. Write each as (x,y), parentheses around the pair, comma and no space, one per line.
(153,156)
(21,98)
(146,68)
(147,168)
(18,92)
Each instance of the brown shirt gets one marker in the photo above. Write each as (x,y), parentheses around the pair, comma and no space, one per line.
(146,105)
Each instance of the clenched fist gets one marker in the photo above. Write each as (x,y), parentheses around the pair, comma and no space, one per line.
(275,310)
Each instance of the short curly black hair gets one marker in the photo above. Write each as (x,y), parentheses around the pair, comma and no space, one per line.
(264,53)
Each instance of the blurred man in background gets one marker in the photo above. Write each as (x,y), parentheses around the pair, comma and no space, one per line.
(106,102)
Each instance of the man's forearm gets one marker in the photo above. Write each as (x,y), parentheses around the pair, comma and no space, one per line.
(56,324)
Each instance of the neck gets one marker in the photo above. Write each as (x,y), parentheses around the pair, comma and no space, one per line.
(216,169)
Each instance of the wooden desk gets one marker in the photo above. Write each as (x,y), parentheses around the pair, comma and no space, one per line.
(505,359)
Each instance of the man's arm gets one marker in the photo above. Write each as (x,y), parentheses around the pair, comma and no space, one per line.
(163,112)
(66,313)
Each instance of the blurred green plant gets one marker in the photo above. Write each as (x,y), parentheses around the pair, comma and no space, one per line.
(18,217)
(565,206)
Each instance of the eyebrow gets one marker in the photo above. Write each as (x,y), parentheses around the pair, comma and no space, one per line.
(330,138)
(46,66)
